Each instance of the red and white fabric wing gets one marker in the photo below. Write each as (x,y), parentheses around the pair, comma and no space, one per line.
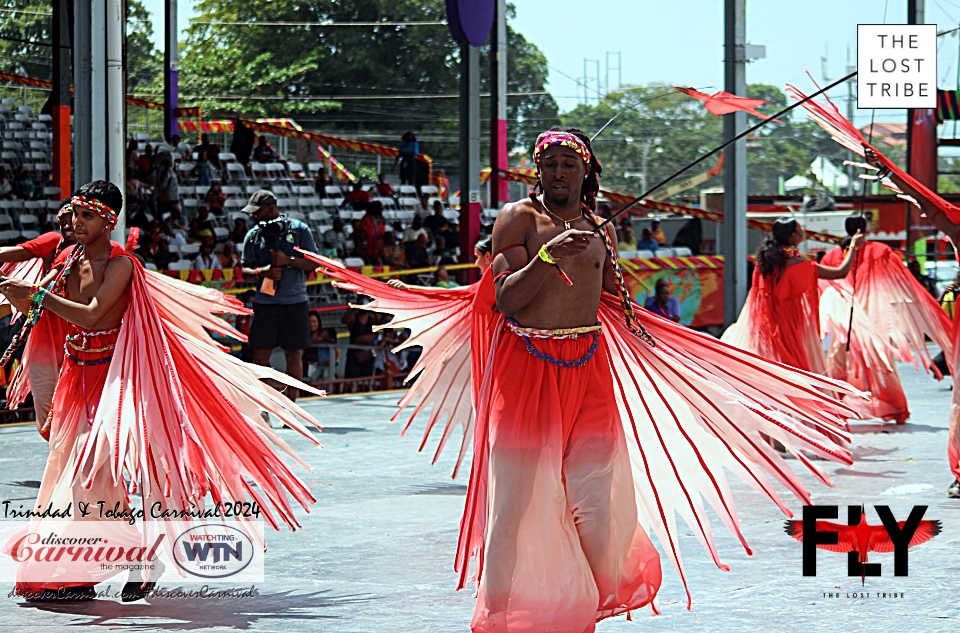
(181,419)
(720,103)
(440,321)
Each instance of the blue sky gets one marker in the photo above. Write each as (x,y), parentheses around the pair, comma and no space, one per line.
(681,41)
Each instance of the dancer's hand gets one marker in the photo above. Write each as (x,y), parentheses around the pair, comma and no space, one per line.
(856,241)
(569,243)
(871,157)
(16,290)
(396,283)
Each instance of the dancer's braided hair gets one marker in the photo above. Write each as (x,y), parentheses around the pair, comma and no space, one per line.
(770,255)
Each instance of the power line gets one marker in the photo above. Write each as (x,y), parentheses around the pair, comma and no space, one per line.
(340,97)
(320,24)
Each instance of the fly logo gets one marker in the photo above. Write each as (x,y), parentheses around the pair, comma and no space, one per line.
(858,538)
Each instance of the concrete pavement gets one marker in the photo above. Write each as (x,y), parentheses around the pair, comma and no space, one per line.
(376,552)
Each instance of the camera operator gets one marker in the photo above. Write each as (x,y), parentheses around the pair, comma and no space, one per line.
(280,315)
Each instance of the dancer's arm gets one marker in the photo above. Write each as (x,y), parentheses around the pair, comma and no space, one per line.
(609,278)
(15,254)
(841,271)
(933,213)
(116,279)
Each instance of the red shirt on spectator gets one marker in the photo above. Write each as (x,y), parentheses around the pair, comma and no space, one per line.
(43,245)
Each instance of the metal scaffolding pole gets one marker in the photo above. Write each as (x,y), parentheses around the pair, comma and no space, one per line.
(470,206)
(115,124)
(82,81)
(499,187)
(171,77)
(60,103)
(734,165)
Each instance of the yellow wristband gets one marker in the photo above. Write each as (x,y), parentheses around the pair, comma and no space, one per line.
(545,256)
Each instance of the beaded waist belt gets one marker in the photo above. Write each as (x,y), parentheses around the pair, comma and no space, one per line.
(526,333)
(81,343)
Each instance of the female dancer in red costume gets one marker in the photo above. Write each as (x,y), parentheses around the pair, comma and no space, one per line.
(591,431)
(944,215)
(892,315)
(147,396)
(781,317)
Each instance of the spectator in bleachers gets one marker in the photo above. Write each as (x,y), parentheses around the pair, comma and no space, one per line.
(145,164)
(424,209)
(374,226)
(228,256)
(443,185)
(393,253)
(436,223)
(136,202)
(384,188)
(321,182)
(181,149)
(215,199)
(239,231)
(657,233)
(206,260)
(336,238)
(202,170)
(263,153)
(172,228)
(317,356)
(23,184)
(416,252)
(646,243)
(202,226)
(442,278)
(604,211)
(212,150)
(358,238)
(386,361)
(280,313)
(166,191)
(6,189)
(414,231)
(662,303)
(360,324)
(406,158)
(627,240)
(162,257)
(357,199)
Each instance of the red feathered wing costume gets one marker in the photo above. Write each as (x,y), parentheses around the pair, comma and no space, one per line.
(781,320)
(158,403)
(828,116)
(892,316)
(668,420)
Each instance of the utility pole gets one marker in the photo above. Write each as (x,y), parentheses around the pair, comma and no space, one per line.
(499,187)
(60,111)
(171,73)
(734,164)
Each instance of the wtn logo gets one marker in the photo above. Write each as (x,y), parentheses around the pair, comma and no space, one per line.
(221,551)
(858,538)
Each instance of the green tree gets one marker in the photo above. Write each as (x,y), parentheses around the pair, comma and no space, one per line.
(406,77)
(672,130)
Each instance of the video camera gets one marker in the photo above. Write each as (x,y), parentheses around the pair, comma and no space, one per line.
(274,230)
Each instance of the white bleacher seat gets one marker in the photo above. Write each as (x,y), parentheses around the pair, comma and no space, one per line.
(314,168)
(330,204)
(281,191)
(452,215)
(183,264)
(142,136)
(388,203)
(407,190)
(297,174)
(333,191)
(318,216)
(227,157)
(40,127)
(235,173)
(644,254)
(682,251)
(189,207)
(234,215)
(221,233)
(276,172)
(410,204)
(304,190)
(190,249)
(25,109)
(201,191)
(627,254)
(231,191)
(187,191)
(234,204)
(44,118)
(23,118)
(52,192)
(285,206)
(429,190)
(53,206)
(296,215)
(150,266)
(259,171)
(183,171)
(666,251)
(308,204)
(174,247)
(353,262)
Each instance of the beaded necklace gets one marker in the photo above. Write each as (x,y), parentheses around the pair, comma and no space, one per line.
(790,251)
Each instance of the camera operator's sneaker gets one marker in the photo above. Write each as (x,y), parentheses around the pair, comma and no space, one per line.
(953,491)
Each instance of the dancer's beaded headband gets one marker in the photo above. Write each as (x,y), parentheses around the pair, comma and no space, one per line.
(97,207)
(564,139)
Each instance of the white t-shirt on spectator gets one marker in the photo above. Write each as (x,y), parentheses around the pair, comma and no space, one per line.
(184,150)
(213,262)
(411,234)
(5,187)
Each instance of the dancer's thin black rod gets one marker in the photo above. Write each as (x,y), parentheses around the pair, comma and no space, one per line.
(856,254)
(628,108)
(736,138)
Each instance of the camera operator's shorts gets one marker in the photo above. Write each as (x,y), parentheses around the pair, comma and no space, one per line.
(286,326)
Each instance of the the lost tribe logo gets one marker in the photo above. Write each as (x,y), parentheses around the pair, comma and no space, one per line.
(213,551)
(858,538)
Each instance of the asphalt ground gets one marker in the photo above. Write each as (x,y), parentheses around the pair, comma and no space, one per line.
(376,551)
